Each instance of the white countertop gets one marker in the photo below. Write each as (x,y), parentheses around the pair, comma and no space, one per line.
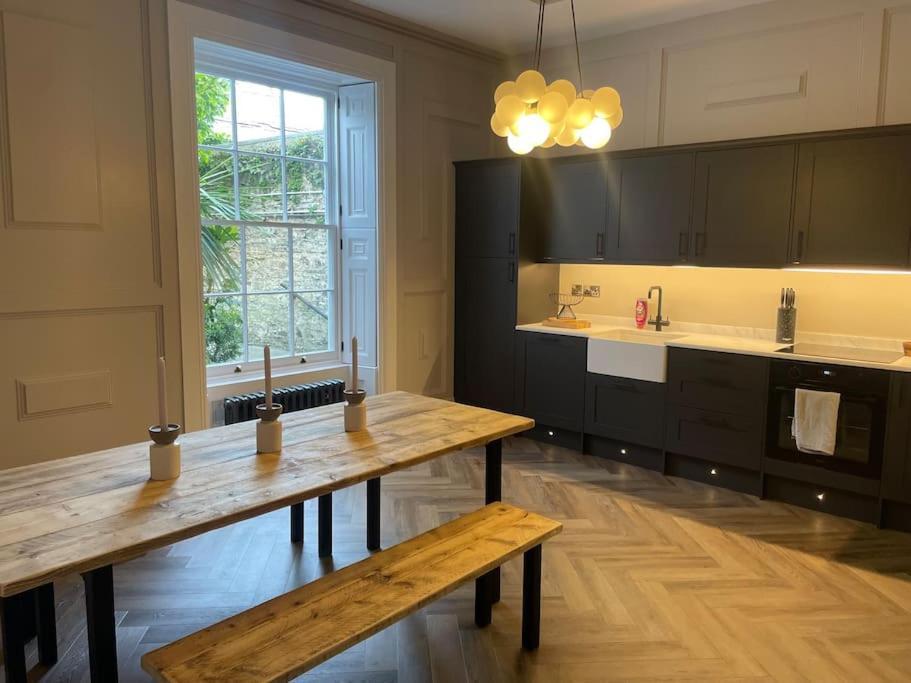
(752,343)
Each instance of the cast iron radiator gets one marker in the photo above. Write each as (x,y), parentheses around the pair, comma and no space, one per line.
(242,407)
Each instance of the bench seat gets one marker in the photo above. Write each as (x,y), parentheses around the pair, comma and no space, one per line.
(294,632)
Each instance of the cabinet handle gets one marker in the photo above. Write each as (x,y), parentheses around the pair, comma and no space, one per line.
(599,244)
(700,243)
(512,243)
(511,271)
(799,256)
(682,244)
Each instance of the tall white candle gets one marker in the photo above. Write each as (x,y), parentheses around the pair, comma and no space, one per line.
(353,363)
(267,362)
(162,396)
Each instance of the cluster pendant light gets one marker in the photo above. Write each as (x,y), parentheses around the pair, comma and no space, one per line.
(530,113)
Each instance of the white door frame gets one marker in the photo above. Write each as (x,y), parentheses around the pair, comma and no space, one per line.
(187,22)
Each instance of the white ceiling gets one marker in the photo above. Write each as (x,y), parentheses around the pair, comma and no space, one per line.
(508,26)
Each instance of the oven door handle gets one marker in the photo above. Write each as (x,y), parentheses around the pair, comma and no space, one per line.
(854,398)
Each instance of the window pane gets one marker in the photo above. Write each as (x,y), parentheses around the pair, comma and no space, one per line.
(223,317)
(311,258)
(220,258)
(305,125)
(306,191)
(216,185)
(267,324)
(213,111)
(267,258)
(260,188)
(258,117)
(311,322)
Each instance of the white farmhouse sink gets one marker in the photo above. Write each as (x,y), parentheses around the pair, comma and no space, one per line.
(635,354)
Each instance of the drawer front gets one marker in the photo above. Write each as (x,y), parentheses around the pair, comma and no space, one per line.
(723,382)
(731,439)
(628,410)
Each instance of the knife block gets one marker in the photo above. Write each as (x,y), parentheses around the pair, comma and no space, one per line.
(786,328)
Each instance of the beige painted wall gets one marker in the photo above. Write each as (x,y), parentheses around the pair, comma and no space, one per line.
(869,305)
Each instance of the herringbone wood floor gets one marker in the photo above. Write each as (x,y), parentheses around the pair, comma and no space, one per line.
(652,578)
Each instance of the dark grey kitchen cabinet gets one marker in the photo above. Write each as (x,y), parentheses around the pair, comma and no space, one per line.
(485,319)
(853,202)
(896,478)
(487,199)
(649,208)
(742,206)
(717,405)
(628,410)
(552,379)
(574,210)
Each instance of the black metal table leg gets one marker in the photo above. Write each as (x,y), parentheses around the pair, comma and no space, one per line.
(373,514)
(483,599)
(99,613)
(297,523)
(46,624)
(493,492)
(325,525)
(13,619)
(531,598)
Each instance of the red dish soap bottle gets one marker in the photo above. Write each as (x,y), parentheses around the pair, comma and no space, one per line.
(641,313)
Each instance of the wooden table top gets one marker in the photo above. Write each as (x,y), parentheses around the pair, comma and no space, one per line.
(87,511)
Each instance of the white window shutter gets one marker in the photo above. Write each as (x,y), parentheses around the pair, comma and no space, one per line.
(357,222)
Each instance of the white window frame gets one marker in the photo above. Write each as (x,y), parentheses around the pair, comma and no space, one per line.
(249,72)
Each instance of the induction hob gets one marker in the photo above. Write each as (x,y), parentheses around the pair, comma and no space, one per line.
(844,352)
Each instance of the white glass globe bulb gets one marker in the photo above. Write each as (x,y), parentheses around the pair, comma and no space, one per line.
(533,129)
(518,145)
(596,134)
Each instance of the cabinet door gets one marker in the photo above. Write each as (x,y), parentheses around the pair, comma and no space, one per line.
(554,379)
(717,437)
(853,204)
(742,206)
(487,208)
(485,332)
(897,455)
(625,409)
(576,213)
(649,203)
(721,382)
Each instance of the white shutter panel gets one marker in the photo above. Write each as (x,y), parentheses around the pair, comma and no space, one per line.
(357,222)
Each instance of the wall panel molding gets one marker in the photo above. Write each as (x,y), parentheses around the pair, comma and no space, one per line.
(894,101)
(43,397)
(151,142)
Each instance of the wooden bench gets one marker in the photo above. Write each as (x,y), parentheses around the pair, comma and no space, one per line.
(294,632)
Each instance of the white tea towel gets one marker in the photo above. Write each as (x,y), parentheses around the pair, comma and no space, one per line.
(815,420)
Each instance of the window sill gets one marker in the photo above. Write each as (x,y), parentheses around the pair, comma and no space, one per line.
(281,376)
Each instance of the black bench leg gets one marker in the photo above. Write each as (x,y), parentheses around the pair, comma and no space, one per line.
(325,525)
(493,492)
(531,598)
(46,624)
(373,514)
(297,523)
(483,599)
(14,620)
(102,634)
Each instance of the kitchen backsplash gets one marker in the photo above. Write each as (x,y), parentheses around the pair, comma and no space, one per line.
(862,304)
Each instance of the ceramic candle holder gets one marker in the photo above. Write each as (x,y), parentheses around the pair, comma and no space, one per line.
(355,410)
(164,453)
(268,429)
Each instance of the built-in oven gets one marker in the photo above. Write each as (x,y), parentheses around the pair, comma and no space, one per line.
(861,415)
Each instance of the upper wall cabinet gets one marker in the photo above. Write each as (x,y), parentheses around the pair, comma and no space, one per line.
(574,209)
(487,208)
(649,208)
(742,206)
(853,202)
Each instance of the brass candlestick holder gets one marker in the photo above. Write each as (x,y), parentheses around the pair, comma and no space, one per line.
(269,428)
(164,453)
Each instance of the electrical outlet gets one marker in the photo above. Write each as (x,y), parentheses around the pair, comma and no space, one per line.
(578,290)
(593,291)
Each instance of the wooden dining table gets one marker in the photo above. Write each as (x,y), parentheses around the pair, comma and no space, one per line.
(89,512)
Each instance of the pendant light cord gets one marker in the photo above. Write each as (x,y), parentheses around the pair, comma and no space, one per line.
(539,36)
(572,5)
